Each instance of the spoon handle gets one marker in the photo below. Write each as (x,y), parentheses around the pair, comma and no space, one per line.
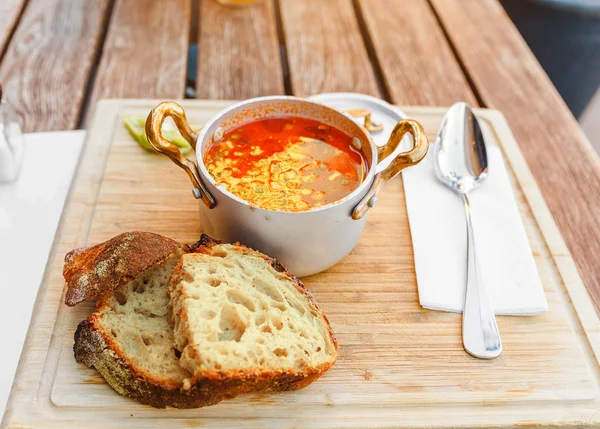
(481,337)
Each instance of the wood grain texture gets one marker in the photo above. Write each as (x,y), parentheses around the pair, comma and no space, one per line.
(238,51)
(399,365)
(9,13)
(417,63)
(145,52)
(508,77)
(48,62)
(325,48)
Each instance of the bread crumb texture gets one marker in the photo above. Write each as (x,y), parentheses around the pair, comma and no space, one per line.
(136,318)
(235,314)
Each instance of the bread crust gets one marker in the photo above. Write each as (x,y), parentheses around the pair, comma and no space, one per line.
(106,267)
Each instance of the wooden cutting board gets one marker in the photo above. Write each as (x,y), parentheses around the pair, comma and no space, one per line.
(399,364)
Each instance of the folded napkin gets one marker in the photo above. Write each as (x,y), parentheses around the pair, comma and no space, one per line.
(30,210)
(438,229)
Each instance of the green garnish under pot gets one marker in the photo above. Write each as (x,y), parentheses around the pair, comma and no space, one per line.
(136,126)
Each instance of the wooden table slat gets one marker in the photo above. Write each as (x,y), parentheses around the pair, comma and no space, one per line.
(238,51)
(416,61)
(509,78)
(46,68)
(145,52)
(9,14)
(325,48)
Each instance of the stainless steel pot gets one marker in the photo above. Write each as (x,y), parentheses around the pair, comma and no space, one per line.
(306,242)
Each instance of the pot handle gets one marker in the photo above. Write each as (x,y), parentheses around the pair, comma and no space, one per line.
(154,133)
(400,162)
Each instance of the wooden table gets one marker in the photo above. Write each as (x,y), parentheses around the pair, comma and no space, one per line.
(58,57)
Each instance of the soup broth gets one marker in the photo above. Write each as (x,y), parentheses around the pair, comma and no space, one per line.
(289,163)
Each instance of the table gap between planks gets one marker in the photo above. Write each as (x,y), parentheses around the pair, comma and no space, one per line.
(57,57)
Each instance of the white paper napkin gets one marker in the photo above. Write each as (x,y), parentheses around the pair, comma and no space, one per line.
(30,210)
(438,229)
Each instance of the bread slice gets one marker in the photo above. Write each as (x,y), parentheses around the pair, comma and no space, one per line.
(244,323)
(106,267)
(130,337)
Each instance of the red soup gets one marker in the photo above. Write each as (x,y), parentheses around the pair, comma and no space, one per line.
(289,163)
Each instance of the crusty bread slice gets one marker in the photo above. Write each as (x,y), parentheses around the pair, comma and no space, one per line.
(129,339)
(241,317)
(106,267)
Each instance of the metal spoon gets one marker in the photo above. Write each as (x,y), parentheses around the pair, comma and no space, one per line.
(460,162)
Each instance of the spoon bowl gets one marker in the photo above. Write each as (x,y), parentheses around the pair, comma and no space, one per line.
(460,156)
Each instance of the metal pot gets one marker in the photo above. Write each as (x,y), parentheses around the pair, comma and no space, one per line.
(306,242)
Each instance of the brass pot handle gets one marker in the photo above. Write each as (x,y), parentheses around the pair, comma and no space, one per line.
(400,162)
(154,133)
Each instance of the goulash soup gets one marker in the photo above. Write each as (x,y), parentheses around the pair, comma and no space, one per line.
(289,163)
